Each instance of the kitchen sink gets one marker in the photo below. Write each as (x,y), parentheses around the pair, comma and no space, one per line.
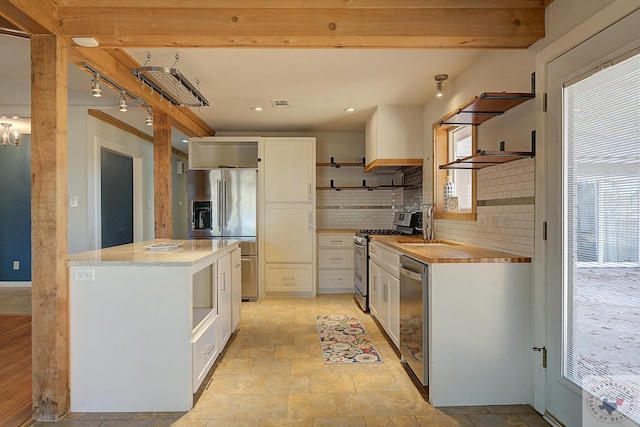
(426,245)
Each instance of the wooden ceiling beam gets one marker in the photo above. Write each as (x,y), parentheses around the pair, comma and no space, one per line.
(32,16)
(306,4)
(443,27)
(116,65)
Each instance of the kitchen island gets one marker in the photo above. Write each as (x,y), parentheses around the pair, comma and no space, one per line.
(475,312)
(147,321)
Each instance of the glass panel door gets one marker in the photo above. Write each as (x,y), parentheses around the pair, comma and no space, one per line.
(593,199)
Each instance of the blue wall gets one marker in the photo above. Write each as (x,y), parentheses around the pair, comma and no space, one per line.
(15,211)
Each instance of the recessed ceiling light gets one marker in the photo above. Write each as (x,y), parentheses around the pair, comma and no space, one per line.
(257,109)
(350,110)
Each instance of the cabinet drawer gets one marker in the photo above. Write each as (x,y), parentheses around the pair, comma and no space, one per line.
(335,259)
(204,350)
(332,280)
(334,240)
(288,278)
(390,261)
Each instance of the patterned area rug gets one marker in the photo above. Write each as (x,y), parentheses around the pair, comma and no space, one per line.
(344,340)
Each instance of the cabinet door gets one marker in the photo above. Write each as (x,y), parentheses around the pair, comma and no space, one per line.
(383,309)
(288,233)
(236,288)
(374,289)
(289,169)
(224,299)
(394,310)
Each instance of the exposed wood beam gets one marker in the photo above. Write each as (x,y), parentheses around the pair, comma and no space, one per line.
(116,64)
(282,23)
(444,27)
(32,16)
(49,227)
(162,176)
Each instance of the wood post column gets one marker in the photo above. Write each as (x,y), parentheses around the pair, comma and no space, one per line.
(49,171)
(162,176)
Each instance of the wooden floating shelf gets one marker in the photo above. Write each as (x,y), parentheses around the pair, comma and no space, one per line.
(486,106)
(483,159)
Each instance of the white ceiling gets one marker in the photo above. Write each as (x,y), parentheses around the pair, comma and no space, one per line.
(318,83)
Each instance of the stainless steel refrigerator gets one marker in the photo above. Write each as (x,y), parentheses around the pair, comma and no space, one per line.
(222,205)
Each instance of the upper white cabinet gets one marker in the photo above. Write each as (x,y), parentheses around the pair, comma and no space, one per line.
(213,152)
(394,138)
(289,169)
(287,231)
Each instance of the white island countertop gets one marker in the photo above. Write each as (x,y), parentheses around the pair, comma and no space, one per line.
(187,253)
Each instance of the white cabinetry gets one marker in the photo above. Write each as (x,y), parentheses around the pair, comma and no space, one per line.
(224,299)
(145,331)
(288,216)
(393,137)
(236,286)
(335,263)
(384,278)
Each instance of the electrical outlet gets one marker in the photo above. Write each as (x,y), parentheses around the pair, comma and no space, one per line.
(16,265)
(482,220)
(84,275)
(505,221)
(495,221)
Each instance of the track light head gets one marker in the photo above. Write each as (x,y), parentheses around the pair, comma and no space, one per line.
(122,105)
(149,119)
(96,90)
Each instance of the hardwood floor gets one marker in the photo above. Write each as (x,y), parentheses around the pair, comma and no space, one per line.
(15,370)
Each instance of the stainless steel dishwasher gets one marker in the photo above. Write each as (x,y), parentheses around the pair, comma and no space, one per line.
(414,317)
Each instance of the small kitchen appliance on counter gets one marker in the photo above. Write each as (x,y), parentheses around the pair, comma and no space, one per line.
(406,223)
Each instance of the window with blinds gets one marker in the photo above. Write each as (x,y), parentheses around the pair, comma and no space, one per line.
(601,137)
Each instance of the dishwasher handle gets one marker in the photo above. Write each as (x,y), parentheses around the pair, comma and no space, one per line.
(410,274)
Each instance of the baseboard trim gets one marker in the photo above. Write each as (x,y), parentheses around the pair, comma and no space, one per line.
(15,284)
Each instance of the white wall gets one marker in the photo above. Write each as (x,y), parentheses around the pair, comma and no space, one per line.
(86,136)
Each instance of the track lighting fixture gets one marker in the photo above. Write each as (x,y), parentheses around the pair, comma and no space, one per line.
(122,105)
(149,119)
(96,90)
(439,79)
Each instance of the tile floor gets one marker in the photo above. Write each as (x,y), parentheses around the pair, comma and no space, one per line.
(272,374)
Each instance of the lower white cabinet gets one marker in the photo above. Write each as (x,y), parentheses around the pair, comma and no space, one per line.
(144,335)
(335,263)
(289,278)
(204,350)
(224,299)
(384,289)
(236,293)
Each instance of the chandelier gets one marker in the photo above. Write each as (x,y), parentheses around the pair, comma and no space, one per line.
(8,137)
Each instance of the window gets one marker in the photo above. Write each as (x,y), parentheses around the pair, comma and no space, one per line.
(460,146)
(452,143)
(601,221)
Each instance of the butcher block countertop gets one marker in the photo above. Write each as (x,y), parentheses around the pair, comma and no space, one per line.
(187,252)
(446,252)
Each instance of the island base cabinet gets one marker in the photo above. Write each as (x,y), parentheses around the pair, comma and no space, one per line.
(204,350)
(289,278)
(125,331)
(479,334)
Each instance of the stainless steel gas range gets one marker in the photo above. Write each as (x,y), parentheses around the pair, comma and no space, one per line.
(405,223)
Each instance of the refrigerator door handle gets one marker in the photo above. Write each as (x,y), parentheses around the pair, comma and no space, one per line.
(224,202)
(220,204)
